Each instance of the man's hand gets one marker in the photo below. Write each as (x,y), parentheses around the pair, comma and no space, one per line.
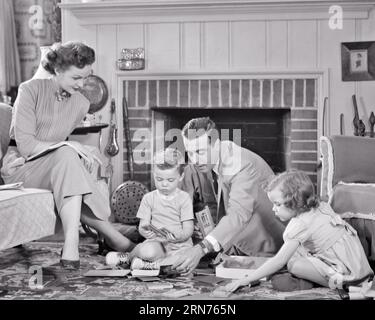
(197,234)
(187,260)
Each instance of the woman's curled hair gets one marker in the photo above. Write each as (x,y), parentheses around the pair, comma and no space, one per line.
(297,190)
(63,56)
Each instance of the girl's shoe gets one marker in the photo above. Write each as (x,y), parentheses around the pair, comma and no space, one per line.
(121,259)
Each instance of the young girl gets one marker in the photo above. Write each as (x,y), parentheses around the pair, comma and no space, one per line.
(318,245)
(168,209)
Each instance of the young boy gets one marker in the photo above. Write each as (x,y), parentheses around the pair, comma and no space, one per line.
(168,209)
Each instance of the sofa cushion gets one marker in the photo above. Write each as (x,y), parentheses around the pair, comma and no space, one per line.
(353,159)
(355,198)
(26,215)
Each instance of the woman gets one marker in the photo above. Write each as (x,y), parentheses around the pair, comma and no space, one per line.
(46,111)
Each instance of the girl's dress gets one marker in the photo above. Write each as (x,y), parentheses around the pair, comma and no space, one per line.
(38,116)
(330,244)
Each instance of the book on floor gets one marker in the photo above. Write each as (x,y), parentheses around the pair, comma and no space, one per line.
(145,273)
(107,273)
(220,293)
(236,267)
(159,286)
(149,279)
(179,293)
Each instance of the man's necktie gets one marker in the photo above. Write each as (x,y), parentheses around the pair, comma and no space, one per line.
(214,182)
(220,211)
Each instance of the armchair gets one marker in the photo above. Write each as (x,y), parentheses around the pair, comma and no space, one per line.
(348,183)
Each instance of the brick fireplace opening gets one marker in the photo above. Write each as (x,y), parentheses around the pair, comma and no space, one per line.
(277,117)
(263,131)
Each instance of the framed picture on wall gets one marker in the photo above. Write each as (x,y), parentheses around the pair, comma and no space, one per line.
(358,61)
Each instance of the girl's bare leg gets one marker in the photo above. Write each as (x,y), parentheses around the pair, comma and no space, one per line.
(304,269)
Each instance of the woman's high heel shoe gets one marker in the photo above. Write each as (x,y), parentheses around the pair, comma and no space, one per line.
(69,264)
(104,248)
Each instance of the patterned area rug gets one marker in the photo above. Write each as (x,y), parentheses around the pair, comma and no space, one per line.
(32,272)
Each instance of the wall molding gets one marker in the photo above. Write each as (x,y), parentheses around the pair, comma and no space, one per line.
(269,73)
(146,11)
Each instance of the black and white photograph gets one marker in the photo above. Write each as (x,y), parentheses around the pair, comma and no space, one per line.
(358,61)
(187,157)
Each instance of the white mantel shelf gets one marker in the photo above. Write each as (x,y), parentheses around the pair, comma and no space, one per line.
(146,11)
(243,73)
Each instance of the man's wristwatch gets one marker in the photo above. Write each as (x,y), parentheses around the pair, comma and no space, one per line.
(204,247)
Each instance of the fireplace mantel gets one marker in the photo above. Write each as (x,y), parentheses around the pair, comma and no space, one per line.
(147,11)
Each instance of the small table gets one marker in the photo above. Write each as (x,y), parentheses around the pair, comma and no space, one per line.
(90,129)
(95,128)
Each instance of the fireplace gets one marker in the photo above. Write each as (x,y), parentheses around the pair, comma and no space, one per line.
(277,117)
(263,131)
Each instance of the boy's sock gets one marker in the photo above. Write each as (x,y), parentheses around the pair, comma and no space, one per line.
(118,259)
(288,282)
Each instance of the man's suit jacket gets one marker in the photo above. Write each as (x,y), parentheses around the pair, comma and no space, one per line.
(249,223)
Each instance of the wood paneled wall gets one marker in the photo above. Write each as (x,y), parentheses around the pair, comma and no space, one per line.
(236,46)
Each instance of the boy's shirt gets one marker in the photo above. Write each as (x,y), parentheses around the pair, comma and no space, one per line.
(166,211)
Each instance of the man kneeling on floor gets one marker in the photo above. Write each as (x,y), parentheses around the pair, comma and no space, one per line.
(246,224)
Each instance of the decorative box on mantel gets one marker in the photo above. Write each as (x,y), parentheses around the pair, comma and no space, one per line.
(132,59)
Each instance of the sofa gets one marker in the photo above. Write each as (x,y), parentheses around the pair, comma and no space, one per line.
(348,183)
(26,214)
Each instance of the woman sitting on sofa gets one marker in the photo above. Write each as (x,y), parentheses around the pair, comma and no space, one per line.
(46,111)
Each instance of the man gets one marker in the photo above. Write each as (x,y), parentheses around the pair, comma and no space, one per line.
(248,226)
